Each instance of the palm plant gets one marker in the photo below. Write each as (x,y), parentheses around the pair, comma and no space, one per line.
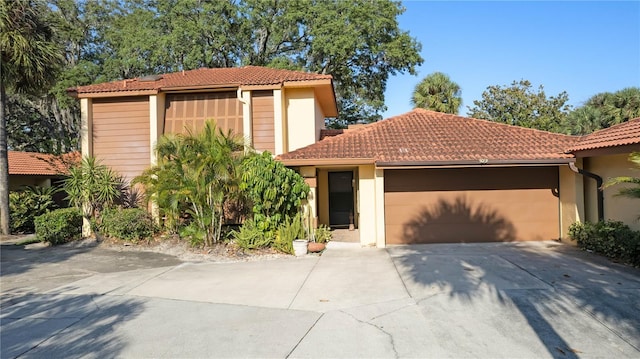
(91,186)
(583,121)
(438,93)
(29,59)
(630,192)
(197,172)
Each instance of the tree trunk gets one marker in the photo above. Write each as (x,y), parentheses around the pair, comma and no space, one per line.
(4,163)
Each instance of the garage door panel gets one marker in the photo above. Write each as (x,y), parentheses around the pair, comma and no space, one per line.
(456,179)
(433,216)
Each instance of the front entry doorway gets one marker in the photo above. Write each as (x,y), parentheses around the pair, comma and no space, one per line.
(341,199)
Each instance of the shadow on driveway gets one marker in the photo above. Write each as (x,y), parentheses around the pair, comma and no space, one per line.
(37,268)
(499,294)
(37,325)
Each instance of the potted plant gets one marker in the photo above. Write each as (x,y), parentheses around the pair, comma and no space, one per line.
(321,236)
(293,231)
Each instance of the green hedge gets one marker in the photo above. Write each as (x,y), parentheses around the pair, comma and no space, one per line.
(611,238)
(59,226)
(130,224)
(25,205)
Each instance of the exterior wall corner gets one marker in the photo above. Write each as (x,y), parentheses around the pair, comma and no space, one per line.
(86,127)
(571,200)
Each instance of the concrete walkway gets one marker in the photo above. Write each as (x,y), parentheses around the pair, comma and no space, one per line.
(481,300)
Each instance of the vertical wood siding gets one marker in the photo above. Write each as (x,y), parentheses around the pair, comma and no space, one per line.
(121,134)
(263,130)
(190,111)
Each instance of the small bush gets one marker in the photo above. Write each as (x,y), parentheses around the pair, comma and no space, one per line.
(290,230)
(129,224)
(27,204)
(59,226)
(611,238)
(253,235)
(322,234)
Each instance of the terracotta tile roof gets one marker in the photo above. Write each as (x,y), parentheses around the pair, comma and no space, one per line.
(41,164)
(247,75)
(324,133)
(423,136)
(626,133)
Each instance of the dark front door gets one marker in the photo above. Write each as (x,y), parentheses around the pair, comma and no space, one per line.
(340,198)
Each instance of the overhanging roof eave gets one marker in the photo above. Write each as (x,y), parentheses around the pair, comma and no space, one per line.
(474,163)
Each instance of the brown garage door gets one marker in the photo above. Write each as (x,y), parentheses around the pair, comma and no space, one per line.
(471,205)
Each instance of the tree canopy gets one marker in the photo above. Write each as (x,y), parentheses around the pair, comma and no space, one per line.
(29,60)
(358,42)
(521,105)
(604,110)
(438,92)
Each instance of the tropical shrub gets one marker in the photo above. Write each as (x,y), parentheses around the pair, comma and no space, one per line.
(27,204)
(252,236)
(322,234)
(59,226)
(92,186)
(290,229)
(274,190)
(198,174)
(130,224)
(613,239)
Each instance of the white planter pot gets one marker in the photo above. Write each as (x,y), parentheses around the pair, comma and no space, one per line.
(300,247)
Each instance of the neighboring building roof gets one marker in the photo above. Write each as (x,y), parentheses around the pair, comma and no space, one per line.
(423,137)
(626,133)
(324,133)
(238,76)
(41,164)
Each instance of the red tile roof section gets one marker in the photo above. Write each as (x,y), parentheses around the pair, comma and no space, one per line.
(247,75)
(626,133)
(427,136)
(41,164)
(330,133)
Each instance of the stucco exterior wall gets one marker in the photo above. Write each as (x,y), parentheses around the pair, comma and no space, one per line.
(319,116)
(367,205)
(301,117)
(615,207)
(323,196)
(571,200)
(16,182)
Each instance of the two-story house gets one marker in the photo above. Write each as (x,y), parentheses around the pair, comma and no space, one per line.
(419,177)
(275,110)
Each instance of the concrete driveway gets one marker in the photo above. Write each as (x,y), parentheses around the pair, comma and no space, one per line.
(476,300)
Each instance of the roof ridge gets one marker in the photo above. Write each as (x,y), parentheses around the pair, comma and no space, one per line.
(625,123)
(464,118)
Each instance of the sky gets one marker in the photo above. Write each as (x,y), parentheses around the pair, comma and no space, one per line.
(581,47)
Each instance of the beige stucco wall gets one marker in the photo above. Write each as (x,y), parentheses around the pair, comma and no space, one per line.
(301,115)
(571,200)
(86,127)
(615,207)
(369,202)
(319,116)
(380,224)
(16,182)
(368,205)
(323,196)
(156,123)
